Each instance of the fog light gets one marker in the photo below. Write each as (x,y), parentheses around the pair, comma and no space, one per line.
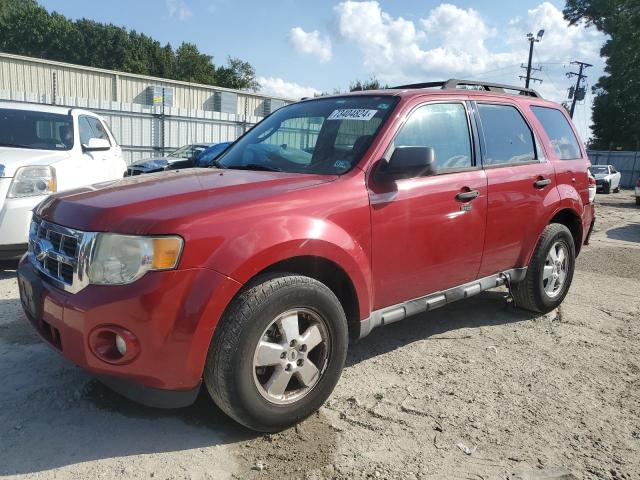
(114,344)
(121,345)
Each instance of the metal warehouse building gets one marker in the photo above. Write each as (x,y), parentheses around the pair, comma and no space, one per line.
(148,115)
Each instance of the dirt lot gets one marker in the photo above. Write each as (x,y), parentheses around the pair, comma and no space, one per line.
(477,390)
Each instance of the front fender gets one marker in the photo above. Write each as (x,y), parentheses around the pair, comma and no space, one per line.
(272,240)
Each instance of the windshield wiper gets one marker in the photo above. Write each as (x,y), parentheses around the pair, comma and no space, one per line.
(16,145)
(215,163)
(254,166)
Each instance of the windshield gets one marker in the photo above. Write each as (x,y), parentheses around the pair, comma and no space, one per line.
(37,130)
(188,151)
(599,170)
(322,136)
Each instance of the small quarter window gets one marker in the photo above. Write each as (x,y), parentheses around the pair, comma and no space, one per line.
(507,137)
(563,140)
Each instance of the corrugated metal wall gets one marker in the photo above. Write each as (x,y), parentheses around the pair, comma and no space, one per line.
(124,101)
(627,163)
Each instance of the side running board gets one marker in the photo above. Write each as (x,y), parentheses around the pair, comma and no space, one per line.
(398,312)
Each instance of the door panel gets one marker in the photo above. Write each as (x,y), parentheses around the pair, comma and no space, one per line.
(426,237)
(516,209)
(424,240)
(521,186)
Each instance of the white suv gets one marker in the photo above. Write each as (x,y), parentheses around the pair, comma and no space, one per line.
(45,149)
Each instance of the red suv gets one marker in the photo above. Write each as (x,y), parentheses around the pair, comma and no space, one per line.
(329,218)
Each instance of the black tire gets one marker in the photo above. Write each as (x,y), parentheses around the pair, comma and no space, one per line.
(616,190)
(637,200)
(606,188)
(229,369)
(529,293)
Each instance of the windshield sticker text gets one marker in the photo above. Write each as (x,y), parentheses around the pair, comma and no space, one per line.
(362,114)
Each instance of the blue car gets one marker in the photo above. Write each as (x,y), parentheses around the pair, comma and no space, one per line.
(206,158)
(189,156)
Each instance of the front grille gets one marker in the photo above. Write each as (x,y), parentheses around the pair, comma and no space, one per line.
(54,250)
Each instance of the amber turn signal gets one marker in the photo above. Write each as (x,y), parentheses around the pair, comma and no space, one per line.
(166,252)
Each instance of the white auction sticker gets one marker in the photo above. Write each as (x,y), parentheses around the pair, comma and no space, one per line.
(352,114)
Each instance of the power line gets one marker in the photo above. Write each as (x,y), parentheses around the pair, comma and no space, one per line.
(560,90)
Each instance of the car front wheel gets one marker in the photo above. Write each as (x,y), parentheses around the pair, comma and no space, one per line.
(278,352)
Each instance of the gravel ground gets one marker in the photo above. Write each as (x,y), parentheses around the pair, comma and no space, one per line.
(477,390)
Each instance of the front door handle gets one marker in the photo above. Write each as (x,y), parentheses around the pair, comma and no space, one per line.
(467,196)
(543,182)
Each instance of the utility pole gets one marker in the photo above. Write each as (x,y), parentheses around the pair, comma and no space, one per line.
(578,92)
(529,68)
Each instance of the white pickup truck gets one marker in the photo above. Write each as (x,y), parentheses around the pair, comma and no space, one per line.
(46,149)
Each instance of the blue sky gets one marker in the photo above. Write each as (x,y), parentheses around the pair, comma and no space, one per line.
(301,46)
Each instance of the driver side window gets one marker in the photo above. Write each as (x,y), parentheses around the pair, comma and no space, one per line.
(86,133)
(445,128)
(91,128)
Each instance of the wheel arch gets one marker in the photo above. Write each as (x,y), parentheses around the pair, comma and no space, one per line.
(330,274)
(570,219)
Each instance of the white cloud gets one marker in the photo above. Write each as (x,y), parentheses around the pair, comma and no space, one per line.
(178,9)
(560,41)
(450,41)
(281,88)
(310,43)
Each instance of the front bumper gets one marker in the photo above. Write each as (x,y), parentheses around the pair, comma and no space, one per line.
(15,217)
(173,315)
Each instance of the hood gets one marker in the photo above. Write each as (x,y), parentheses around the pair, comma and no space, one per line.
(600,176)
(14,158)
(167,202)
(150,164)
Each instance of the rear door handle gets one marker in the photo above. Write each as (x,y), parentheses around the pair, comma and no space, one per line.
(467,196)
(543,182)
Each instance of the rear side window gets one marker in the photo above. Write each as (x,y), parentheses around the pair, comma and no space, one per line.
(507,137)
(561,136)
(443,126)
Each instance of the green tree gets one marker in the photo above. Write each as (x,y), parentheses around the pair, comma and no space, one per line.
(372,84)
(237,74)
(28,29)
(616,105)
(193,66)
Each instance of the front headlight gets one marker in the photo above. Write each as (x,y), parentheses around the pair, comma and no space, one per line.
(121,259)
(32,181)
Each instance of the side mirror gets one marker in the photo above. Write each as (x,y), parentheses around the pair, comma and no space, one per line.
(410,162)
(96,145)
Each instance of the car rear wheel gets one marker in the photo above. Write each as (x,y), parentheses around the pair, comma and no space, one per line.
(550,271)
(278,352)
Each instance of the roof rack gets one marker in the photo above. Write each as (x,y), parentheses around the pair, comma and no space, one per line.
(453,84)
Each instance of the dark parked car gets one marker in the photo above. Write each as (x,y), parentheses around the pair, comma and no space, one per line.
(181,158)
(206,158)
